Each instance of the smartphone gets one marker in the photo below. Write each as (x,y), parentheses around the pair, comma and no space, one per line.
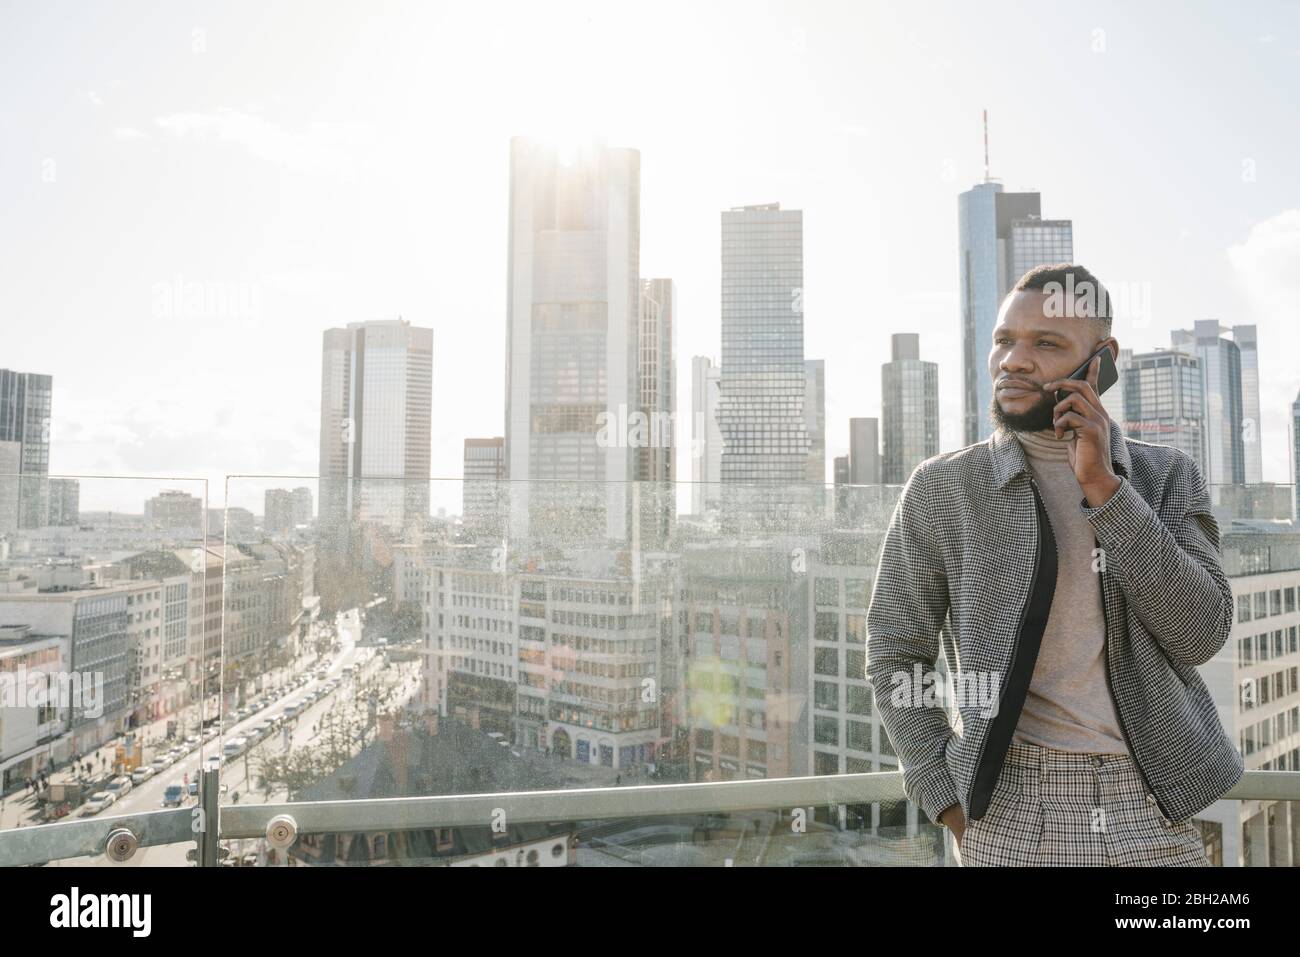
(1107,375)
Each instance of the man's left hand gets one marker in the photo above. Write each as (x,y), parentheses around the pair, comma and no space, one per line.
(1089,450)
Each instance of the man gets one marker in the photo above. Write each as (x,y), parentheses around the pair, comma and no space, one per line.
(1073,577)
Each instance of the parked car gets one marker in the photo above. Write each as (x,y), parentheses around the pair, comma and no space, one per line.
(234,747)
(118,786)
(160,763)
(96,803)
(140,775)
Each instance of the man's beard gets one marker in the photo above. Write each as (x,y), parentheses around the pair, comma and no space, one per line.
(1036,419)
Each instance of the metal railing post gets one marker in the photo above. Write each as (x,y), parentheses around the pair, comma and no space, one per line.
(209,802)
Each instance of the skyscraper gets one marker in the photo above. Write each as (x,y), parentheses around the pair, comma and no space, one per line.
(706,436)
(572,306)
(65,502)
(864,452)
(11,460)
(654,433)
(277,511)
(1001,236)
(1229,372)
(303,510)
(25,399)
(1252,424)
(1295,454)
(483,485)
(814,413)
(1164,400)
(656,459)
(909,408)
(764,380)
(376,417)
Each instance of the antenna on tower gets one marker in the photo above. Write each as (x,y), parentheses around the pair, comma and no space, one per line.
(986,146)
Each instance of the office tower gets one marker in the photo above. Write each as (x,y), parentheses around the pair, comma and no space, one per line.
(1295,454)
(65,502)
(25,399)
(1001,236)
(277,511)
(11,459)
(1252,424)
(173,508)
(654,434)
(572,305)
(1231,403)
(483,496)
(657,378)
(376,409)
(761,411)
(303,511)
(842,475)
(909,409)
(706,434)
(814,413)
(864,452)
(1164,400)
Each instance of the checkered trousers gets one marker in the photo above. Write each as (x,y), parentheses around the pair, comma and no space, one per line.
(1061,809)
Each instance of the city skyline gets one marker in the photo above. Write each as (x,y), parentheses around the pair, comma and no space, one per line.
(891,208)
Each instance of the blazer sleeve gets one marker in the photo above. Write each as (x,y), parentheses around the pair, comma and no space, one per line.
(1169,567)
(909,601)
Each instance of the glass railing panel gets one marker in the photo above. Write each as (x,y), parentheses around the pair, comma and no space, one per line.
(503,637)
(109,649)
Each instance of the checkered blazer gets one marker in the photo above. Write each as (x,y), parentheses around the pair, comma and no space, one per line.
(954,573)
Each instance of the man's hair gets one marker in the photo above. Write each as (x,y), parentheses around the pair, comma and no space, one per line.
(1070,279)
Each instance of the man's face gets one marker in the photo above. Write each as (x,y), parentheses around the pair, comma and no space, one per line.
(1030,347)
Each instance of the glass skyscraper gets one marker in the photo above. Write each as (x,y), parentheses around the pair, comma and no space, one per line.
(1295,454)
(706,437)
(909,408)
(1164,400)
(1001,236)
(25,399)
(764,380)
(573,306)
(376,417)
(1230,380)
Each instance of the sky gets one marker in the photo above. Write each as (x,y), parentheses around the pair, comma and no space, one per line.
(314,164)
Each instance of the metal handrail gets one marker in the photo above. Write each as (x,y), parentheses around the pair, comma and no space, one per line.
(67,839)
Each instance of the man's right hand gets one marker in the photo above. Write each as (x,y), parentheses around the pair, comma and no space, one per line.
(955,820)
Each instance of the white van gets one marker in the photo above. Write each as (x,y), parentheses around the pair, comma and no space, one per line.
(234,747)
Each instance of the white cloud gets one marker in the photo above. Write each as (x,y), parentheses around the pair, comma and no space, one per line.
(1267,265)
(320,147)
(1267,268)
(129,133)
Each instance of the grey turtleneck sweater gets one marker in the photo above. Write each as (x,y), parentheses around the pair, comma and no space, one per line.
(1068,706)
